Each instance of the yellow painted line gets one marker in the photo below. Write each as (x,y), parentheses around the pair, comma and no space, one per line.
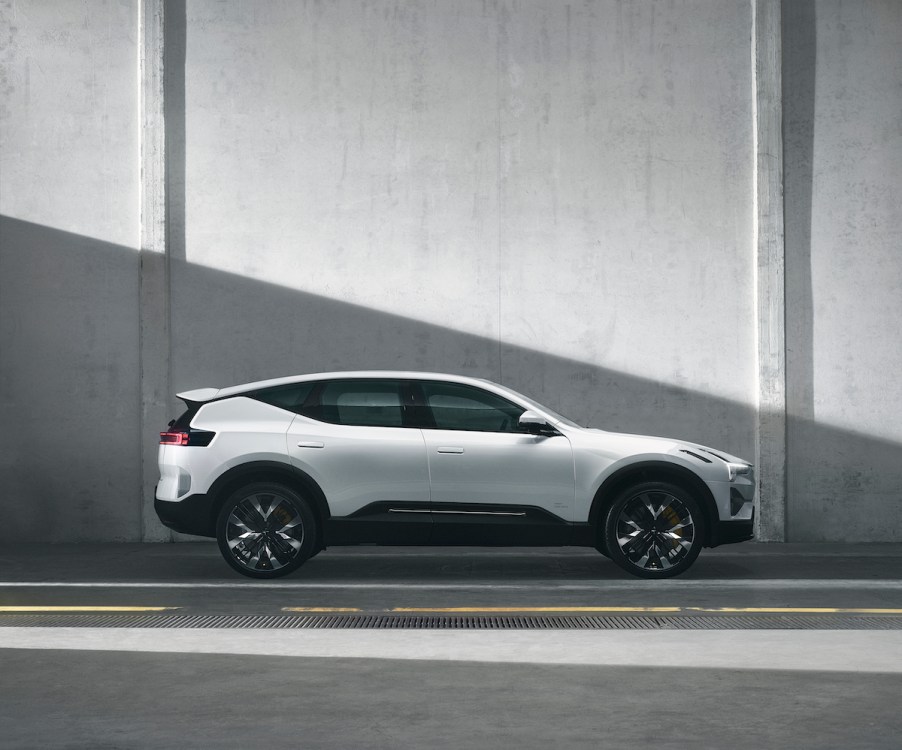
(86,609)
(610,610)
(535,609)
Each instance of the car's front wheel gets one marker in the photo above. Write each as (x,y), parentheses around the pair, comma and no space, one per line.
(265,530)
(654,530)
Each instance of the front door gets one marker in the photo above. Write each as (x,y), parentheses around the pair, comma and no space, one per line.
(491,482)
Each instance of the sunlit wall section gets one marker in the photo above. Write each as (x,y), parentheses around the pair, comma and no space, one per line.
(69,271)
(626,199)
(555,195)
(842,70)
(68,117)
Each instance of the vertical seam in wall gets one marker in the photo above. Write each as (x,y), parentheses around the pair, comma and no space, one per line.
(500,167)
(755,273)
(139,445)
(153,299)
(800,90)
(770,283)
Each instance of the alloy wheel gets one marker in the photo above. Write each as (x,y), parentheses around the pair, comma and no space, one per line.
(265,531)
(655,530)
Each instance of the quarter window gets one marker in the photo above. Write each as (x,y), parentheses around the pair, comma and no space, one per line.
(290,397)
(462,407)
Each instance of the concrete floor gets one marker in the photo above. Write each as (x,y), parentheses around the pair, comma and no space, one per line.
(77,699)
(135,688)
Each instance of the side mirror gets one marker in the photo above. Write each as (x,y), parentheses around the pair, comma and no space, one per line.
(534,423)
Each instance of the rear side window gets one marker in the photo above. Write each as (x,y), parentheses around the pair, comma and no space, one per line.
(366,403)
(290,397)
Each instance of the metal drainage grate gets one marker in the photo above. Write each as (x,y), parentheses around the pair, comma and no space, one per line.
(460,622)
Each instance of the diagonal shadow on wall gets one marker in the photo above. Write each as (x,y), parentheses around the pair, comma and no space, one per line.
(70,465)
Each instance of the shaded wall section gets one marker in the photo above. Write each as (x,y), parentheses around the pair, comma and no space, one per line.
(843,162)
(69,446)
(300,332)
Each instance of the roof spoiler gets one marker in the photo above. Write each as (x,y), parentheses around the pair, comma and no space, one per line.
(198,396)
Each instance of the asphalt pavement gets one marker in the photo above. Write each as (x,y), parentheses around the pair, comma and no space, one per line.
(78,683)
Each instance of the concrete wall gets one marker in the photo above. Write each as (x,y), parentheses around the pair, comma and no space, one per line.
(843,161)
(69,183)
(556,196)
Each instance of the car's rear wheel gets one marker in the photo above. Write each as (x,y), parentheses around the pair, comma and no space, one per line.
(266,530)
(654,530)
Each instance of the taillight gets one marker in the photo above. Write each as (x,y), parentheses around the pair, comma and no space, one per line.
(192,437)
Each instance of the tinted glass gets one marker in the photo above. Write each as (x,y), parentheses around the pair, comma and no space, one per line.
(463,407)
(290,397)
(367,403)
(184,421)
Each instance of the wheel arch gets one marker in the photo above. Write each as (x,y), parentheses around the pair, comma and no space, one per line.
(654,471)
(270,471)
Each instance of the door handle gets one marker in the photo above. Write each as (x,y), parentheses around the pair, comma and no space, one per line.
(310,444)
(449,449)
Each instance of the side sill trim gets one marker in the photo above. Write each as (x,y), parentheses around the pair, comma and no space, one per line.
(480,512)
(459,512)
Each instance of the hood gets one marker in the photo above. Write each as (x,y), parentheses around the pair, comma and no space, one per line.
(709,453)
(636,444)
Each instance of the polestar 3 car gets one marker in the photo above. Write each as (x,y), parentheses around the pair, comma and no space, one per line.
(279,470)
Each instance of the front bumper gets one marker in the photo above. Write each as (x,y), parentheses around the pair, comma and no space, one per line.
(731,532)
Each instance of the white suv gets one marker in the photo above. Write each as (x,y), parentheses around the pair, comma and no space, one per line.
(281,469)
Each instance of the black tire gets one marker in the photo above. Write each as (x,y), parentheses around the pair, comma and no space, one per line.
(601,545)
(266,530)
(654,530)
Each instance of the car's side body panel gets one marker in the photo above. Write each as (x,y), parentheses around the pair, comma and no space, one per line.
(358,466)
(246,430)
(504,468)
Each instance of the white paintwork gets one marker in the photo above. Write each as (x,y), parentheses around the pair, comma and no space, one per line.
(356,466)
(246,430)
(501,467)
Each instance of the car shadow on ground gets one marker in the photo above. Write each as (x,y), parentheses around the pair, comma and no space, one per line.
(200,562)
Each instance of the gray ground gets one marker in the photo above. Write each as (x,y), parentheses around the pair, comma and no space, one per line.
(135,688)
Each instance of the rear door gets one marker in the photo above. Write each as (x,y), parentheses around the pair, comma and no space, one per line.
(355,438)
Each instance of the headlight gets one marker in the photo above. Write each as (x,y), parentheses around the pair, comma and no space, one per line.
(738,470)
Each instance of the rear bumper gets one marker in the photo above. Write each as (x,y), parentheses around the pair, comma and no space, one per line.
(191,515)
(731,532)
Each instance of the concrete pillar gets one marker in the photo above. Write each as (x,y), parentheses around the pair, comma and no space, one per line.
(154,273)
(771,291)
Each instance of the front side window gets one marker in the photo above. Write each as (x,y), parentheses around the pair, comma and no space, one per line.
(365,403)
(463,407)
